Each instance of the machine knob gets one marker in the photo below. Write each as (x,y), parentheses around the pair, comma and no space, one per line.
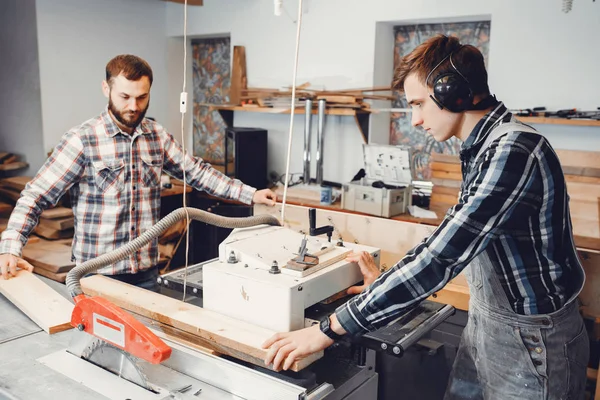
(274,268)
(396,350)
(81,327)
(232,258)
(383,346)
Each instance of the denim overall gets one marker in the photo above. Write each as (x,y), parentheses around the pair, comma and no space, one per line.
(504,356)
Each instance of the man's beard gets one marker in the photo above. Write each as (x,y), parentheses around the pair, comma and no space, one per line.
(129,119)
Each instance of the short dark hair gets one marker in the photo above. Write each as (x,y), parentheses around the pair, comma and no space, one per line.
(469,61)
(132,67)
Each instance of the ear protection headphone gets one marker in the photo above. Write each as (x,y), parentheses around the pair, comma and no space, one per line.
(451,89)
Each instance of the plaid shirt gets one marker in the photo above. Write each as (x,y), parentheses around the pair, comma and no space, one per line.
(513,212)
(114,182)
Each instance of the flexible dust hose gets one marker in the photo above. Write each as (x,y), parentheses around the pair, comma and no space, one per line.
(90,266)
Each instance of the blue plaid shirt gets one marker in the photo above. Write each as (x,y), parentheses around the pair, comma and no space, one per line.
(114,183)
(513,210)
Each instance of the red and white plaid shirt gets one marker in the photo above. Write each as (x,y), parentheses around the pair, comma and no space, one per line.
(114,182)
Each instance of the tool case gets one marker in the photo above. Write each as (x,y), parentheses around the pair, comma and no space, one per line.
(386,190)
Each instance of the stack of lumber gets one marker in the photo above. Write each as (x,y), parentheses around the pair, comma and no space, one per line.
(345,98)
(582,173)
(55,223)
(51,259)
(241,95)
(10,162)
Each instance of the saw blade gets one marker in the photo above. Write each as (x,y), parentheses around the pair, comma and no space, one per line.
(116,361)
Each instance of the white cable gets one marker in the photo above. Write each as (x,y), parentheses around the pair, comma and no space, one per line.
(292,112)
(182,109)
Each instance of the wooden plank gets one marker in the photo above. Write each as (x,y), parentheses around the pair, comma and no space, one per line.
(5,208)
(59,224)
(9,194)
(452,191)
(13,166)
(445,158)
(238,75)
(16,182)
(57,212)
(447,167)
(559,121)
(444,198)
(38,301)
(590,295)
(455,176)
(583,179)
(50,233)
(62,277)
(337,98)
(51,256)
(578,158)
(208,325)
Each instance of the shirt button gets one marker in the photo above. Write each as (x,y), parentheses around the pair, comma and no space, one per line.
(535,339)
(133,167)
(134,188)
(132,228)
(537,362)
(133,209)
(538,350)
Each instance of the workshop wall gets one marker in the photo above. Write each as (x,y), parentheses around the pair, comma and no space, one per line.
(539,56)
(77,38)
(20,105)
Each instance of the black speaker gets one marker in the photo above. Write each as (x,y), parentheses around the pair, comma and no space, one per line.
(246,155)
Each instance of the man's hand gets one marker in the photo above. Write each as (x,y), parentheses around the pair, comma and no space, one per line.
(292,346)
(369,270)
(10,263)
(265,196)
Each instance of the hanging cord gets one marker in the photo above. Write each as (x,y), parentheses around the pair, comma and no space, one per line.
(292,112)
(182,108)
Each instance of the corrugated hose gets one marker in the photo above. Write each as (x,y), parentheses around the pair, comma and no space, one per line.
(90,266)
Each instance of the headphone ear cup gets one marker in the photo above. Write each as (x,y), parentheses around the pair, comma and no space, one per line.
(453,92)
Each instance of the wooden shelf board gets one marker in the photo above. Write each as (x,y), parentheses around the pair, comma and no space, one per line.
(559,121)
(284,110)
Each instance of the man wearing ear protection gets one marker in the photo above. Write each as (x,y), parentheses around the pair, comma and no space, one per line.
(525,338)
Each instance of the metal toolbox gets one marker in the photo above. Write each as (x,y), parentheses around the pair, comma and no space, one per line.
(385,191)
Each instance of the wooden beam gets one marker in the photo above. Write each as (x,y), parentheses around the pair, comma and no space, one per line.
(38,301)
(224,334)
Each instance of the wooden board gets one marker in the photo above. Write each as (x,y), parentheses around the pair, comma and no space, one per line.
(50,233)
(51,256)
(62,277)
(16,182)
(57,212)
(58,224)
(238,75)
(590,295)
(239,337)
(38,301)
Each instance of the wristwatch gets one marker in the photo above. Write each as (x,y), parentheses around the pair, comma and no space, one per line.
(325,326)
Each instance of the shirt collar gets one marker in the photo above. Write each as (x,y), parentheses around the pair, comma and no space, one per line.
(146,126)
(484,126)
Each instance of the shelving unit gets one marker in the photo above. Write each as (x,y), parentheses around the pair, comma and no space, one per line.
(361,116)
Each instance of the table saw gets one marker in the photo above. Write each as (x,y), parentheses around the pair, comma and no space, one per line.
(265,275)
